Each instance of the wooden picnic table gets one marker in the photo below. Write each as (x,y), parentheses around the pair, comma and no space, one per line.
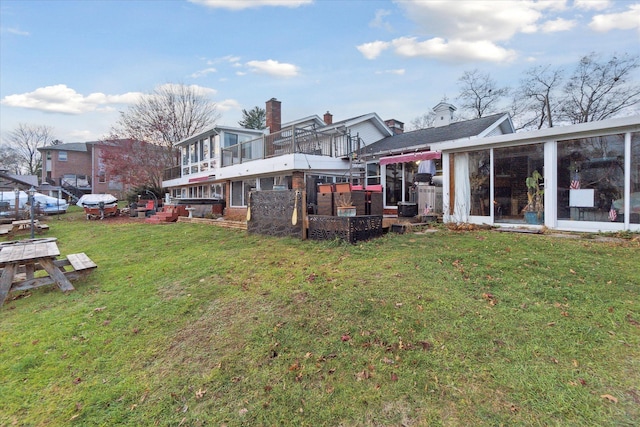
(20,259)
(21,225)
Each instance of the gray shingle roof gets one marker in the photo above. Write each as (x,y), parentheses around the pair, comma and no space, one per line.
(426,137)
(67,146)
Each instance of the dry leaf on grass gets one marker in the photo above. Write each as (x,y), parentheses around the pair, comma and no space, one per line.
(609,398)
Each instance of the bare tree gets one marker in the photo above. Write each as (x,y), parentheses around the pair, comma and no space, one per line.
(537,102)
(479,93)
(169,114)
(601,89)
(9,159)
(25,141)
(423,122)
(256,118)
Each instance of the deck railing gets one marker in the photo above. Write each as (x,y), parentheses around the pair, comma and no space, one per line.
(287,141)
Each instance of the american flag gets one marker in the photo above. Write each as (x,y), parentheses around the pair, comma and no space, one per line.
(575,182)
(613,215)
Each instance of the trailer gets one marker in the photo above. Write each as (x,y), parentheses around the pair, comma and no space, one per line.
(99,206)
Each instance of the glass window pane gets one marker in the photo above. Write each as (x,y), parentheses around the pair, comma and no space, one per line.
(393,184)
(512,166)
(634,218)
(236,193)
(266,183)
(479,175)
(590,178)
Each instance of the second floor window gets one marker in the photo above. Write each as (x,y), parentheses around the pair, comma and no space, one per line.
(62,156)
(230,139)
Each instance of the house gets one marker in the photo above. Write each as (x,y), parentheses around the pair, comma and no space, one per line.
(226,163)
(75,169)
(590,177)
(397,162)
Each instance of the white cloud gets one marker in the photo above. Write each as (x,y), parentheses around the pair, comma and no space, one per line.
(374,49)
(398,72)
(591,4)
(379,22)
(246,4)
(475,19)
(15,32)
(62,99)
(273,68)
(469,29)
(202,90)
(228,104)
(617,21)
(453,50)
(203,73)
(557,25)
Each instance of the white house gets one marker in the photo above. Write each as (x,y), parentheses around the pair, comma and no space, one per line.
(227,163)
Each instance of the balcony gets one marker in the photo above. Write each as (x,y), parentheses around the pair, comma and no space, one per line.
(287,141)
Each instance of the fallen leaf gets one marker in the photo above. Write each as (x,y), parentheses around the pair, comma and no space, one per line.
(394,377)
(363,375)
(200,393)
(99,308)
(346,337)
(572,271)
(609,398)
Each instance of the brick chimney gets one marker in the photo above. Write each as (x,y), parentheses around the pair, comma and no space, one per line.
(274,116)
(328,118)
(396,126)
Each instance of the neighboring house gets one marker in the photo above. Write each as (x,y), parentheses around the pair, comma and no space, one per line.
(395,162)
(590,171)
(227,163)
(76,169)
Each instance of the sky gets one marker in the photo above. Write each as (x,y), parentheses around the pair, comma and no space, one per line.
(74,65)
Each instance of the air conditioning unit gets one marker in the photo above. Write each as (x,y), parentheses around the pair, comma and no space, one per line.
(429,196)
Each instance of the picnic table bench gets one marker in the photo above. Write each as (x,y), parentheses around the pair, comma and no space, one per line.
(22,225)
(20,260)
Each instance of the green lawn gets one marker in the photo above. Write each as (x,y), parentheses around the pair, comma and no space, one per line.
(190,324)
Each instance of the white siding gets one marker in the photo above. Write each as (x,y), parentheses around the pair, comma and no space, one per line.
(368,132)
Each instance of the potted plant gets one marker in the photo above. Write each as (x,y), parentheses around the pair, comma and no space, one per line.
(534,211)
(344,205)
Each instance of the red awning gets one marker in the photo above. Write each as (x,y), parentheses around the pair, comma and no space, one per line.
(412,157)
(202,178)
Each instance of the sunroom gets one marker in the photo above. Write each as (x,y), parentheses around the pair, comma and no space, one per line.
(589,177)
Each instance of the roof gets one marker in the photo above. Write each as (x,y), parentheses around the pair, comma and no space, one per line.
(10,180)
(425,137)
(67,146)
